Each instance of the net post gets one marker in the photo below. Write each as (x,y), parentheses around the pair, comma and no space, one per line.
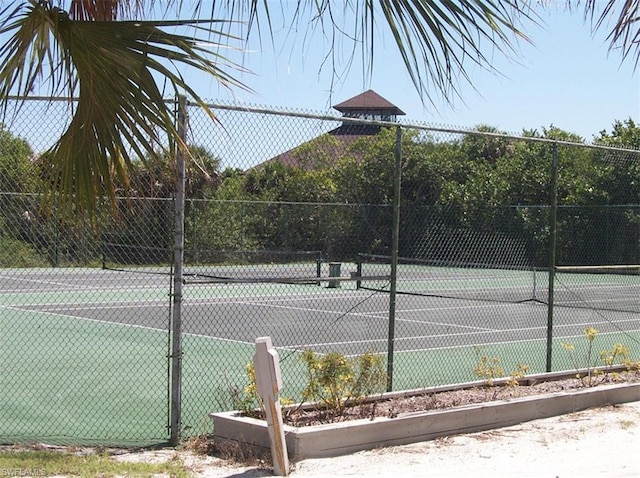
(359,270)
(318,266)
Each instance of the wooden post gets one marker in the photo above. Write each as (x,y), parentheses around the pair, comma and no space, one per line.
(269,383)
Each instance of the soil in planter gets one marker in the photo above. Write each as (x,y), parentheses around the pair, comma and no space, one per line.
(447,399)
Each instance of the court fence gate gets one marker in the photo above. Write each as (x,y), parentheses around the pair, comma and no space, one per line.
(432,248)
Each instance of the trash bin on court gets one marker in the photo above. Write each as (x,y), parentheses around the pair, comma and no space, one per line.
(334,271)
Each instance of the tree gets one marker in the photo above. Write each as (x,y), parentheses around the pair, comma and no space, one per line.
(17,179)
(624,34)
(625,134)
(623,183)
(114,67)
(102,52)
(16,169)
(272,207)
(624,180)
(154,178)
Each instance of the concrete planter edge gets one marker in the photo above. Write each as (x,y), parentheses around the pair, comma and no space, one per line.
(334,439)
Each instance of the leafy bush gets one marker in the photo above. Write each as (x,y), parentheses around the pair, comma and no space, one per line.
(15,253)
(335,381)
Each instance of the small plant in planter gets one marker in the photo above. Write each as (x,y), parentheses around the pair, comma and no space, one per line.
(335,381)
(619,354)
(489,369)
(340,388)
(327,425)
(247,400)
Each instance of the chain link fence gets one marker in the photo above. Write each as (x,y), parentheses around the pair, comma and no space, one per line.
(493,246)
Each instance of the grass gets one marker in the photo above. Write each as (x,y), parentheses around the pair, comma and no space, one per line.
(67,463)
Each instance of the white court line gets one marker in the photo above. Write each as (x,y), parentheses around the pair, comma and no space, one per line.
(52,310)
(482,344)
(240,300)
(371,314)
(52,307)
(505,331)
(447,324)
(482,331)
(309,309)
(485,344)
(375,315)
(597,322)
(379,315)
(121,324)
(463,334)
(86,319)
(116,303)
(40,281)
(80,288)
(303,309)
(431,309)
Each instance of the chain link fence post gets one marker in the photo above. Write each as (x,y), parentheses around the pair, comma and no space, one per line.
(395,242)
(553,214)
(176,329)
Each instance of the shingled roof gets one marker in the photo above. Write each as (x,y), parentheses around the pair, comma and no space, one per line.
(367,105)
(368,101)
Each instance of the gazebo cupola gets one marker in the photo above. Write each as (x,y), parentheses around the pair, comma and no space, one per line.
(369,105)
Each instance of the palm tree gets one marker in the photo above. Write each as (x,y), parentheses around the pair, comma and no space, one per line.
(113,67)
(102,53)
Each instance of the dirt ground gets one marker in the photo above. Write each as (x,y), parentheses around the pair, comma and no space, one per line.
(592,443)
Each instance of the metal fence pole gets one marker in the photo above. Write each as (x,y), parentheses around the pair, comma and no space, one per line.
(176,326)
(552,253)
(395,241)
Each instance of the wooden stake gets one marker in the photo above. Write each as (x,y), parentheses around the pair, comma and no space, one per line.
(269,383)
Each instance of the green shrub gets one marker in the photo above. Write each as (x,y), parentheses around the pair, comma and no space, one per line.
(335,381)
(15,253)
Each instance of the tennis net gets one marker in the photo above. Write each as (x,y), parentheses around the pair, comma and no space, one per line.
(615,288)
(214,266)
(449,279)
(610,287)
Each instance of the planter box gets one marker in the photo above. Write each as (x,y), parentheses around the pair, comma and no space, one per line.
(341,438)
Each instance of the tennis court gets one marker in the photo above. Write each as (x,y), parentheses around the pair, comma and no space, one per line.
(85,347)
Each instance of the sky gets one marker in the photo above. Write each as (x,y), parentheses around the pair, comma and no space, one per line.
(567,78)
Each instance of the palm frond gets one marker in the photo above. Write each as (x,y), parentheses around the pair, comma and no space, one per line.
(102,10)
(108,10)
(111,67)
(436,39)
(625,33)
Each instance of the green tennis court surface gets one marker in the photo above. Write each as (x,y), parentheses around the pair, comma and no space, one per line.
(85,351)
